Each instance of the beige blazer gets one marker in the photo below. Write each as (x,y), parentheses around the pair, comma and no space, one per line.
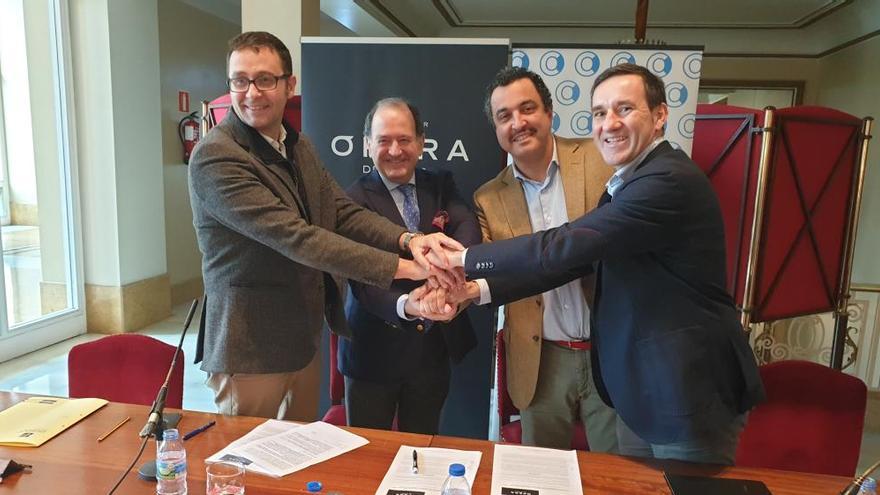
(503,213)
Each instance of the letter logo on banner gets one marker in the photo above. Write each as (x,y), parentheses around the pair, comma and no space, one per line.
(570,83)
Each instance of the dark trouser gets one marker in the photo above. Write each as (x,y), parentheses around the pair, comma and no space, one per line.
(717,447)
(417,402)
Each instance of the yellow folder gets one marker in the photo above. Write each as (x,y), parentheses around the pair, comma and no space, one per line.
(32,422)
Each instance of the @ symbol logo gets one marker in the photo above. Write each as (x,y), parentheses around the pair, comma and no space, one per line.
(660,64)
(582,123)
(587,63)
(567,92)
(676,94)
(519,58)
(552,63)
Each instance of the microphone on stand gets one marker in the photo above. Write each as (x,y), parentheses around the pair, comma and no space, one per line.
(854,487)
(154,423)
(155,418)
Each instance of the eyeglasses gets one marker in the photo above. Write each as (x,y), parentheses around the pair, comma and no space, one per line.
(264,82)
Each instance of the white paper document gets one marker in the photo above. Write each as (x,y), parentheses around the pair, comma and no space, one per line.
(433,468)
(535,471)
(276,448)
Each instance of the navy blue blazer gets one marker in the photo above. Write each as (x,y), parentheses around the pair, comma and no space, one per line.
(669,353)
(383,347)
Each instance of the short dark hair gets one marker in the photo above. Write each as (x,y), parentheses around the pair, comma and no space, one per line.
(509,75)
(655,90)
(395,102)
(261,39)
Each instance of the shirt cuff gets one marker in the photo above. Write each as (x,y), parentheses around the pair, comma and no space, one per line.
(485,294)
(401,308)
(463,256)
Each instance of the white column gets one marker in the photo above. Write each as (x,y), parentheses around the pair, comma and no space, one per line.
(289,20)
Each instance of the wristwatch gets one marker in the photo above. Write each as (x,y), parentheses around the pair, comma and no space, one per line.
(407,238)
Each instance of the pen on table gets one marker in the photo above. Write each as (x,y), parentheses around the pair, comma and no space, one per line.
(199,430)
(415,466)
(105,435)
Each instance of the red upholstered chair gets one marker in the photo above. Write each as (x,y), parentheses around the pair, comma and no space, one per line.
(126,368)
(812,420)
(511,430)
(214,111)
(336,414)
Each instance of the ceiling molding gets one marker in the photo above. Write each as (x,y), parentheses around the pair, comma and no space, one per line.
(393,19)
(824,53)
(454,19)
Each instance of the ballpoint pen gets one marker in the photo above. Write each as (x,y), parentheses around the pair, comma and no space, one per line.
(415,466)
(199,430)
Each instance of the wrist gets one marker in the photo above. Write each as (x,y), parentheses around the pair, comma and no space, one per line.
(406,240)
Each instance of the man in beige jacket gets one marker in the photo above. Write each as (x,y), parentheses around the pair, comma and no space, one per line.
(551,180)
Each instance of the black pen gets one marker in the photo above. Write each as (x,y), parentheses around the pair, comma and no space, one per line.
(199,430)
(415,466)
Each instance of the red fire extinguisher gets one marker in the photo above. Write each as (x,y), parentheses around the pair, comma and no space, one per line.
(188,131)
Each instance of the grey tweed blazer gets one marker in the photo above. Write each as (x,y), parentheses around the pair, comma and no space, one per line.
(272,260)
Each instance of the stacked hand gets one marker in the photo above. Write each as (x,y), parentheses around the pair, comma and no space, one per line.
(438,260)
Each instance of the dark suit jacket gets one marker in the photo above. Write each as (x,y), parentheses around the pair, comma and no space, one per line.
(265,255)
(669,352)
(384,348)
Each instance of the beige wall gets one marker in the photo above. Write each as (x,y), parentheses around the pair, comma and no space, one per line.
(192,51)
(849,82)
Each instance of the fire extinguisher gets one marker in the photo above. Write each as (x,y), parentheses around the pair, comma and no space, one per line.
(188,131)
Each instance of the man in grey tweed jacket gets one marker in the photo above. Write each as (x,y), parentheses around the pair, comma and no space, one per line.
(277,235)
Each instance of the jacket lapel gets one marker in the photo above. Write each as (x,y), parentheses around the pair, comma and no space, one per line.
(513,201)
(427,187)
(251,140)
(571,167)
(379,198)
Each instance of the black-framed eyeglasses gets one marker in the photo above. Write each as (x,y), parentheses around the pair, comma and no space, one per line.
(264,82)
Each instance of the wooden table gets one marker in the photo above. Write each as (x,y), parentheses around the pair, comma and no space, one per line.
(604,473)
(75,463)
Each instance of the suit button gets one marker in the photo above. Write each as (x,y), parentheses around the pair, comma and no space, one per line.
(535,338)
(420,327)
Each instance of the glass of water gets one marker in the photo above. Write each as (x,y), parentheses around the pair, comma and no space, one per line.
(225,478)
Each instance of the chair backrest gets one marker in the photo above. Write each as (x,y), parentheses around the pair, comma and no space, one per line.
(126,368)
(506,409)
(337,382)
(214,111)
(812,420)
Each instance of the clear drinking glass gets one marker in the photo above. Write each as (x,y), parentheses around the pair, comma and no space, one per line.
(225,478)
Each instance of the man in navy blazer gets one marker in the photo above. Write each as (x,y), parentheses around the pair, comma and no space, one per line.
(394,360)
(669,353)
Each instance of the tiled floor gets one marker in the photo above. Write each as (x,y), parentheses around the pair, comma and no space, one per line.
(45,372)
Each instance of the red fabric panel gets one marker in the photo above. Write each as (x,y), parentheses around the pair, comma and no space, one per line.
(733,172)
(292,113)
(337,382)
(812,421)
(810,187)
(126,368)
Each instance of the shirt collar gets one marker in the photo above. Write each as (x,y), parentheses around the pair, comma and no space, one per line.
(279,144)
(551,167)
(625,171)
(394,185)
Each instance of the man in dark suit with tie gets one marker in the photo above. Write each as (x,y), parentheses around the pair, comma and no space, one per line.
(669,353)
(396,362)
(277,236)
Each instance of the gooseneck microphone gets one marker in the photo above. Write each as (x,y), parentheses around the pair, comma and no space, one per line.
(155,418)
(154,422)
(854,487)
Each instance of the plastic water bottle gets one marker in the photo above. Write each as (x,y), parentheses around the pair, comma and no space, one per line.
(171,464)
(869,487)
(456,483)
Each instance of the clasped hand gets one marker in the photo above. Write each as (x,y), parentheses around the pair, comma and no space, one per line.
(438,260)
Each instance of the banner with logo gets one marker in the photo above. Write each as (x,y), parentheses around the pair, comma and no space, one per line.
(569,72)
(445,78)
